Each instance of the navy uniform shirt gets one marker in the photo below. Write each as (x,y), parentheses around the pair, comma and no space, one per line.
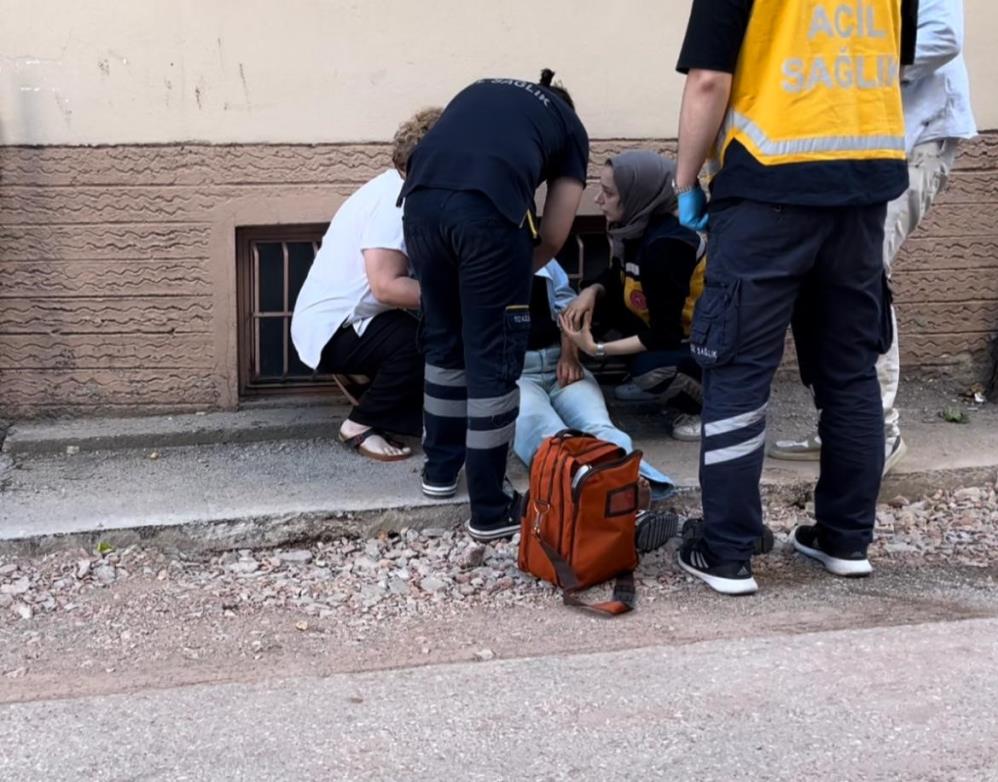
(713,42)
(503,138)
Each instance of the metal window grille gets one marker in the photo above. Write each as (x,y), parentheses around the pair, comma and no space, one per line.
(271,265)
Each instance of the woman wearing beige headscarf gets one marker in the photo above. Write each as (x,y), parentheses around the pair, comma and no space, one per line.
(648,292)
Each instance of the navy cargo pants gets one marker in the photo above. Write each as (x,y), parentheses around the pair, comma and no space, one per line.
(474,270)
(822,268)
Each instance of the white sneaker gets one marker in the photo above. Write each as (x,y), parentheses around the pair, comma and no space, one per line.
(806,450)
(895,453)
(687,428)
(809,450)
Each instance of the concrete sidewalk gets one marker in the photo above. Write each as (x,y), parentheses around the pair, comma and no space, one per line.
(270,476)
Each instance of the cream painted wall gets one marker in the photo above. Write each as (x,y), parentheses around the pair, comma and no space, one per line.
(229,71)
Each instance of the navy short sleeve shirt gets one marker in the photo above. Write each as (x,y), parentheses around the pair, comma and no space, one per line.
(502,138)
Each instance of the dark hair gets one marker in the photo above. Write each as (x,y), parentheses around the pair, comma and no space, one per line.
(547,75)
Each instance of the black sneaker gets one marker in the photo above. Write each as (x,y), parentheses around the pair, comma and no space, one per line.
(438,491)
(728,578)
(504,528)
(693,530)
(652,529)
(848,564)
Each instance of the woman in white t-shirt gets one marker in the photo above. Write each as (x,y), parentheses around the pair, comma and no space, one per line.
(354,313)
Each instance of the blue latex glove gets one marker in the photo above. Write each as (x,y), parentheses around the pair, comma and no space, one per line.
(693,209)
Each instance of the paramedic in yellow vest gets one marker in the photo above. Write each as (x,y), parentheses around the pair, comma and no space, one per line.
(797,104)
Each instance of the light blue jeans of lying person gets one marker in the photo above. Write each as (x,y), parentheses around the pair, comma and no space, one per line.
(546,408)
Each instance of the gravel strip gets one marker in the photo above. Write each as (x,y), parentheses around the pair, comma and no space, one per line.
(441,572)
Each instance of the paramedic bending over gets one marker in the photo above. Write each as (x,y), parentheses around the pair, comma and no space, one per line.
(474,242)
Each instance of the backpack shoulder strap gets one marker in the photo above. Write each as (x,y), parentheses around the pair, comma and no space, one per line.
(621,602)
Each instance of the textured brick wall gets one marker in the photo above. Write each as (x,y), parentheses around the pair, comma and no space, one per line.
(117,267)
(946,277)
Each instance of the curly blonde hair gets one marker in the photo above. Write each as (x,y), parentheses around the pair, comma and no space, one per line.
(410,133)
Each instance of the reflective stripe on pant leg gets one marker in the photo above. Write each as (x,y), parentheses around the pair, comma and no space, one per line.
(732,452)
(445,394)
(736,426)
(450,378)
(739,441)
(486,440)
(445,408)
(492,421)
(445,412)
(494,406)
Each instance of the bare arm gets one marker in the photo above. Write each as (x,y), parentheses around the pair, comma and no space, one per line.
(569,349)
(388,274)
(625,347)
(563,199)
(705,100)
(583,339)
(583,303)
(569,370)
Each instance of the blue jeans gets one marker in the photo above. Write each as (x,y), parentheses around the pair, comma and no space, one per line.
(474,269)
(546,408)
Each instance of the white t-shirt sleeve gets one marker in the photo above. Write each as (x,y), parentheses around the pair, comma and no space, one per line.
(383,230)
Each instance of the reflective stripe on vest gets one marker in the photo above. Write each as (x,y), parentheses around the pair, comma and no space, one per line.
(805,146)
(818,80)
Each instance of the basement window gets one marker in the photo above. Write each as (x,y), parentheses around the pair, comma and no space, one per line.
(272,263)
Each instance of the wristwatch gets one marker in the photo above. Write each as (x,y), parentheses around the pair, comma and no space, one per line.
(685,189)
(600,350)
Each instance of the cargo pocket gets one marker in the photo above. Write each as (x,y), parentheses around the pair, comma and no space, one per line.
(886,316)
(714,335)
(516,333)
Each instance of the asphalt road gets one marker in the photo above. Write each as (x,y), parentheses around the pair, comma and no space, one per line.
(913,702)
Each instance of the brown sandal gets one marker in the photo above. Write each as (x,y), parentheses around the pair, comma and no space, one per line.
(356,443)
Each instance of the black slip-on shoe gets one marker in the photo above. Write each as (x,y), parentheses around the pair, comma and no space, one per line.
(439,491)
(506,527)
(483,533)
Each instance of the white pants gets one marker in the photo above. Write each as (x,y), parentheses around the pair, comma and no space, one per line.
(929,166)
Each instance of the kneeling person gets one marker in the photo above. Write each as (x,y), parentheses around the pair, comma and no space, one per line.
(648,292)
(354,312)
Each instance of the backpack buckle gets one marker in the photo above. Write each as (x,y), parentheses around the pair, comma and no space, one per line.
(541,509)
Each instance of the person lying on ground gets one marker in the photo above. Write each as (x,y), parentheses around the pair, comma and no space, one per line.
(355,312)
(648,292)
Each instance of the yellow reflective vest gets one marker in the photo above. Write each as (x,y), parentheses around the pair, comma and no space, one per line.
(818,81)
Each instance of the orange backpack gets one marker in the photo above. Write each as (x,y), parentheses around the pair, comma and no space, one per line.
(577,528)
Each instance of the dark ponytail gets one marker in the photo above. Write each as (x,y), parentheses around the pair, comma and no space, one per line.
(547,81)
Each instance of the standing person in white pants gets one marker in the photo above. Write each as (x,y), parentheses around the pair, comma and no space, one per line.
(936,96)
